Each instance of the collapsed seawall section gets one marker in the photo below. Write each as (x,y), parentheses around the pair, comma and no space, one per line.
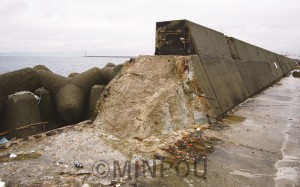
(234,69)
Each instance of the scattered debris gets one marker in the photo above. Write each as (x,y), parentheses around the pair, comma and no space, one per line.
(5,132)
(47,178)
(30,126)
(105,182)
(77,174)
(198,133)
(2,184)
(215,122)
(85,185)
(192,147)
(138,138)
(3,140)
(12,155)
(78,165)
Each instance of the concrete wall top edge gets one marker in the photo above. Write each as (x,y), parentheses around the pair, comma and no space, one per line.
(257,47)
(205,27)
(188,21)
(208,43)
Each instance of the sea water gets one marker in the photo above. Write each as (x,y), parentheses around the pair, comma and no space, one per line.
(59,65)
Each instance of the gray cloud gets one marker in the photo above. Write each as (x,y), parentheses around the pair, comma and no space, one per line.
(128,27)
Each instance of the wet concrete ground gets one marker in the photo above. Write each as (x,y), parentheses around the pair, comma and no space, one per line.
(264,149)
(259,145)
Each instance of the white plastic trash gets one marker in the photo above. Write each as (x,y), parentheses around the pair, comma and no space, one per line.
(12,155)
(2,184)
(3,140)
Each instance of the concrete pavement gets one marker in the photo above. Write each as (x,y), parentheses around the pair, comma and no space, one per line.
(264,149)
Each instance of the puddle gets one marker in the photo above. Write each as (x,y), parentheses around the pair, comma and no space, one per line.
(19,157)
(233,119)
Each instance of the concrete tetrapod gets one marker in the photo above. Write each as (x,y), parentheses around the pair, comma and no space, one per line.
(70,93)
(109,72)
(20,80)
(86,80)
(46,106)
(41,67)
(70,101)
(110,64)
(118,68)
(22,110)
(2,102)
(72,74)
(52,81)
(96,92)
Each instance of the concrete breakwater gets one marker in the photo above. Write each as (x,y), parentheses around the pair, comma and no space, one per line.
(227,71)
(231,70)
(35,99)
(152,103)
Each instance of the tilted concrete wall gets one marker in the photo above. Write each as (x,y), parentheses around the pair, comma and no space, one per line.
(208,42)
(255,65)
(231,70)
(222,72)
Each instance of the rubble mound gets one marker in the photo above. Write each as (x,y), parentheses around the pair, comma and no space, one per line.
(153,95)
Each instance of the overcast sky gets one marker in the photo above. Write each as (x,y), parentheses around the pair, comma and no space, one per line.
(127,27)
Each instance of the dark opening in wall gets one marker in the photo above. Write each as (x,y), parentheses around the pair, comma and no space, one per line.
(173,38)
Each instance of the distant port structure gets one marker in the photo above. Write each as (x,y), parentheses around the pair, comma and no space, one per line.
(108,56)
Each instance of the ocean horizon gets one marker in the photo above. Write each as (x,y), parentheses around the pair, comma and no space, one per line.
(59,65)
